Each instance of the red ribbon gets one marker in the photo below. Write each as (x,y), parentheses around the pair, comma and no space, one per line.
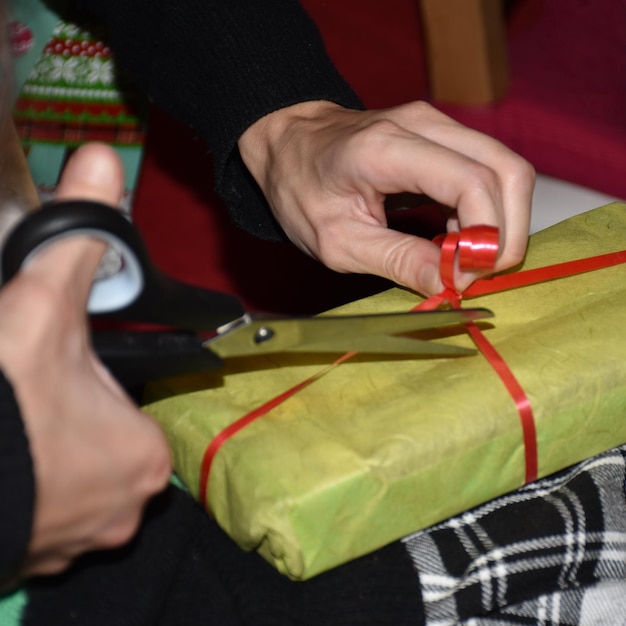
(476,248)
(222,437)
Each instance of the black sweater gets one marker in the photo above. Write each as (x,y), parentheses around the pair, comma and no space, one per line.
(17,485)
(218,66)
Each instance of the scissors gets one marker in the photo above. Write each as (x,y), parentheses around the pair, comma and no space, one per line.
(137,291)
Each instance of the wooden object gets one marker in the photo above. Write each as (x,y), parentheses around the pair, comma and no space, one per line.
(466,50)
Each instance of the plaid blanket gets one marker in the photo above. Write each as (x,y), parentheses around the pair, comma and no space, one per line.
(553,552)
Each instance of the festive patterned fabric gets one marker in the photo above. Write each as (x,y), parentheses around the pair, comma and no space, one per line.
(70,92)
(74,94)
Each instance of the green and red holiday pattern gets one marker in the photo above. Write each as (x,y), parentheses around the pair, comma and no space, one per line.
(74,94)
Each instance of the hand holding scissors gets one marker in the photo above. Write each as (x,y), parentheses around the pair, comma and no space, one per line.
(137,291)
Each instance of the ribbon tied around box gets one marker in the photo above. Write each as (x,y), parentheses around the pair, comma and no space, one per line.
(473,249)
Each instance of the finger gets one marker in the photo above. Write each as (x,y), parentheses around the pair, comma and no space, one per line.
(515,180)
(414,163)
(479,192)
(94,172)
(45,566)
(516,177)
(369,248)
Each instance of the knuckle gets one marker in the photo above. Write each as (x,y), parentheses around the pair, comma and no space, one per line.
(120,533)
(422,112)
(150,478)
(155,466)
(373,138)
(519,171)
(423,108)
(511,256)
(526,172)
(330,243)
(162,470)
(481,181)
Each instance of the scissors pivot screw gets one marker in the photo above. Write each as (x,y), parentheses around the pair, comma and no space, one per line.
(263,334)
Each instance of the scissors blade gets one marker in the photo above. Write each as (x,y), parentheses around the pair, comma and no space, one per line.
(372,334)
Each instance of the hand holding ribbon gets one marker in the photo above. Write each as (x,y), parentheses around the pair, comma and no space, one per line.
(475,248)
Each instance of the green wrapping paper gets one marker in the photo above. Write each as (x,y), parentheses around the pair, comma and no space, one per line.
(376,449)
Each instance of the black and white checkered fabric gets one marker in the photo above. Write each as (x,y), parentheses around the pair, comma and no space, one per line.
(552,553)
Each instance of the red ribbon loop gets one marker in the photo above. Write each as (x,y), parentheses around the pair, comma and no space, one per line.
(476,247)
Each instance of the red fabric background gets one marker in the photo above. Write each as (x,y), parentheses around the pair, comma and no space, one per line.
(565,111)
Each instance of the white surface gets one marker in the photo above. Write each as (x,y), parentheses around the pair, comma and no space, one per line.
(555,200)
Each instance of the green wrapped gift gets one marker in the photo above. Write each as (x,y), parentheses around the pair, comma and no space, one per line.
(376,449)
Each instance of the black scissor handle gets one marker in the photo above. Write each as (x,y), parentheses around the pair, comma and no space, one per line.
(138,291)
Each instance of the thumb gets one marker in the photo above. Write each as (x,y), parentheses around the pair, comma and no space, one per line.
(404,259)
(94,172)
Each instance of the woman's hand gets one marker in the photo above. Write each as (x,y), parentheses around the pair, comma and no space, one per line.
(326,171)
(97,459)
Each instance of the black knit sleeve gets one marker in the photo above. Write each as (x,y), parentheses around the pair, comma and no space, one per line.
(17,485)
(220,65)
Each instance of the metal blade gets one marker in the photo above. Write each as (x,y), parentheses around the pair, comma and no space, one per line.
(385,344)
(361,333)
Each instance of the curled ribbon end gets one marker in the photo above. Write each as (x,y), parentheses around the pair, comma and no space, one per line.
(478,248)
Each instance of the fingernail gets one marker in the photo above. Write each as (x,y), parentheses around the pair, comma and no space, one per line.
(430,278)
(93,171)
